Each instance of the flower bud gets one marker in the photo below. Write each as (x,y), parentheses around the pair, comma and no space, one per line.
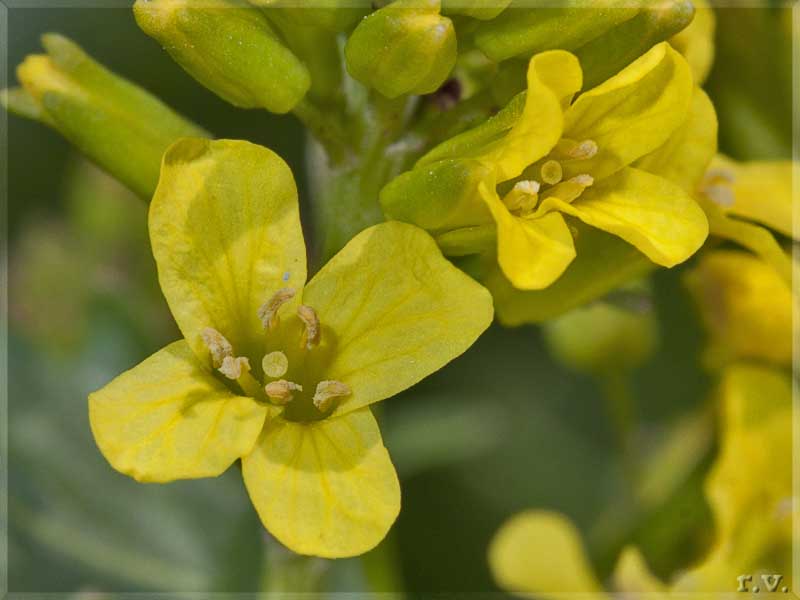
(332,15)
(602,337)
(230,48)
(522,32)
(609,53)
(439,197)
(406,47)
(477,9)
(118,125)
(746,307)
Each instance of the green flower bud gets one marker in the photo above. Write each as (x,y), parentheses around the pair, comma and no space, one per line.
(332,15)
(230,48)
(439,197)
(521,31)
(404,48)
(617,48)
(603,338)
(477,9)
(118,125)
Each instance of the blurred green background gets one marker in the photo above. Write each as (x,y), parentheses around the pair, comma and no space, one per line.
(501,429)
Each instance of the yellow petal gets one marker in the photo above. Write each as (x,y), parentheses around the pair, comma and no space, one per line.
(225,231)
(685,156)
(326,488)
(762,192)
(632,113)
(753,237)
(553,78)
(745,305)
(520,135)
(633,576)
(395,310)
(696,42)
(645,210)
(541,553)
(533,253)
(169,418)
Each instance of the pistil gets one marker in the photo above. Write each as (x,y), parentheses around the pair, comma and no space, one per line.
(275,364)
(552,172)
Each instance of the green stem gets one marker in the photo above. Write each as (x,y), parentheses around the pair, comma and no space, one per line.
(286,572)
(326,129)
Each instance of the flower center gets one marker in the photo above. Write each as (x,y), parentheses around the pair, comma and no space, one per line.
(548,180)
(292,373)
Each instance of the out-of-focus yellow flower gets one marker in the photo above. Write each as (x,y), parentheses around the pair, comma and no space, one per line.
(275,370)
(745,305)
(545,156)
(744,201)
(696,42)
(749,490)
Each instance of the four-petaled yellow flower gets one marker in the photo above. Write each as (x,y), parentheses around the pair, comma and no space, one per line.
(274,370)
(546,156)
(541,552)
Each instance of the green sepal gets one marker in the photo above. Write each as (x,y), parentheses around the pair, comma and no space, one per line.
(229,47)
(406,47)
(617,48)
(118,125)
(439,197)
(477,9)
(523,31)
(331,15)
(603,263)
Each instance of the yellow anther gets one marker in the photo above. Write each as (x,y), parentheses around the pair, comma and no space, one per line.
(275,364)
(327,392)
(234,367)
(281,391)
(552,172)
(523,197)
(216,343)
(312,333)
(583,150)
(268,313)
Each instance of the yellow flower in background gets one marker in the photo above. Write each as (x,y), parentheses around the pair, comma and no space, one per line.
(747,202)
(546,156)
(745,305)
(696,42)
(275,370)
(749,489)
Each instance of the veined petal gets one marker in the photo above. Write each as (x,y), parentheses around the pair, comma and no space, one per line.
(395,310)
(168,418)
(632,113)
(685,156)
(533,253)
(538,552)
(225,231)
(532,131)
(326,488)
(762,192)
(645,210)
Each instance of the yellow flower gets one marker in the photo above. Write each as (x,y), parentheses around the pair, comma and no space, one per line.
(744,201)
(749,490)
(696,42)
(745,305)
(548,157)
(274,370)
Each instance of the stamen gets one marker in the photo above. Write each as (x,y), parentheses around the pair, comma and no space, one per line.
(718,174)
(327,391)
(268,313)
(583,179)
(552,172)
(722,195)
(280,392)
(233,367)
(216,343)
(523,197)
(569,190)
(312,333)
(275,364)
(586,149)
